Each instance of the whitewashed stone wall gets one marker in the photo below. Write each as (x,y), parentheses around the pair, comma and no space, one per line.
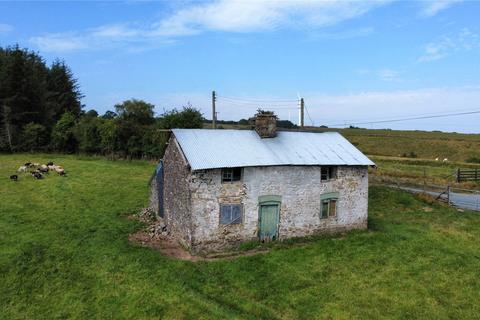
(192,201)
(300,188)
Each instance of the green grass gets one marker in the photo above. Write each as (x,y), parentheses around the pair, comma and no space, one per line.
(416,171)
(64,254)
(457,147)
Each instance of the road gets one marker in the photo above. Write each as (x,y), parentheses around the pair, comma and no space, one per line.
(470,201)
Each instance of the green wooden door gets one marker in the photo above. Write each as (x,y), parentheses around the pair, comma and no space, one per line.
(268,222)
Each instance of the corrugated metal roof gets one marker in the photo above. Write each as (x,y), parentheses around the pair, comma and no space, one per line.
(209,149)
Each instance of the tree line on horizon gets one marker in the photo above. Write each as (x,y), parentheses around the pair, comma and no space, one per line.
(41,111)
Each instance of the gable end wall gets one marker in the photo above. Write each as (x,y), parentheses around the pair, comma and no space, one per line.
(177,197)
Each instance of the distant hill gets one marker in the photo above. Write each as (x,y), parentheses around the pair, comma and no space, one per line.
(457,147)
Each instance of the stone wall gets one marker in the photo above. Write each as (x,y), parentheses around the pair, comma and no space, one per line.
(176,193)
(300,188)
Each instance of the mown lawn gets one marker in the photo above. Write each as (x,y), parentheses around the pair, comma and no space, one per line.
(64,254)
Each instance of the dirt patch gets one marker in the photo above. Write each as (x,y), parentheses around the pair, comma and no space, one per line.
(169,247)
(165,244)
(157,237)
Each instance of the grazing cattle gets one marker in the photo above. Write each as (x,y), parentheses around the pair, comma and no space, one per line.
(14,177)
(22,169)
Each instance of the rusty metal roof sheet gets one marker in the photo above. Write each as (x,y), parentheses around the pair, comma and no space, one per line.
(209,149)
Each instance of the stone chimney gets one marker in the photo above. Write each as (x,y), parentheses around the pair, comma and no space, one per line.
(266,124)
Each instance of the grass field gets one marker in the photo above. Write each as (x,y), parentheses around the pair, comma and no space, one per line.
(428,145)
(64,253)
(395,170)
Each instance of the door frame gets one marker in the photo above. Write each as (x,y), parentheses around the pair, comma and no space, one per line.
(269,201)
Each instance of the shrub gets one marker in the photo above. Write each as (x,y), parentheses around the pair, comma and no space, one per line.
(473,159)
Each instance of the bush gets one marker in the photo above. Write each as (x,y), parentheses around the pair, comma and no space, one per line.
(411,154)
(473,159)
(34,137)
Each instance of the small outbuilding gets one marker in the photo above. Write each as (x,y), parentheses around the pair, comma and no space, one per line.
(217,188)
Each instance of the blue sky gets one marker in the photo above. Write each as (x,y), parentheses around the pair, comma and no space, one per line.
(352,61)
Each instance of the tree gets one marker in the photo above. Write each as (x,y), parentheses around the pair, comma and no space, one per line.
(63,138)
(108,136)
(63,91)
(32,92)
(87,133)
(189,117)
(135,111)
(133,121)
(109,115)
(34,137)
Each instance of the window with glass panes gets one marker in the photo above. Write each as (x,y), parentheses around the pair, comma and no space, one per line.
(231,214)
(327,173)
(231,174)
(329,208)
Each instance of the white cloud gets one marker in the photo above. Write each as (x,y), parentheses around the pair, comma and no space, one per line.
(339,109)
(217,16)
(60,42)
(463,41)
(383,74)
(5,28)
(344,34)
(254,16)
(432,7)
(357,107)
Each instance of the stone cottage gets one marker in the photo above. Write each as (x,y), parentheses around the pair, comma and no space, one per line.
(217,188)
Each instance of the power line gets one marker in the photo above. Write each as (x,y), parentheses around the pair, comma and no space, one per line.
(308,114)
(255,103)
(408,118)
(417,115)
(258,100)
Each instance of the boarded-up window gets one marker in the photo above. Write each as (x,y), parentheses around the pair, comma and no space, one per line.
(231,214)
(231,174)
(328,173)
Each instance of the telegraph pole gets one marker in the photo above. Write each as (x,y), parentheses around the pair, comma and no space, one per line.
(302,116)
(214,113)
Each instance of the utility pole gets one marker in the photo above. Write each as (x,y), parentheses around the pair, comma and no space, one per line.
(302,115)
(214,113)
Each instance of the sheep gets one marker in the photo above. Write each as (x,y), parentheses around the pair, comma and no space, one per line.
(445,160)
(36,164)
(50,163)
(60,170)
(43,169)
(51,167)
(37,175)
(28,164)
(22,169)
(14,177)
(436,159)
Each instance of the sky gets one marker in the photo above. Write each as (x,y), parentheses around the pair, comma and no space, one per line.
(353,62)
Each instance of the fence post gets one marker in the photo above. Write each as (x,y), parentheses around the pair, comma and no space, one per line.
(458,175)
